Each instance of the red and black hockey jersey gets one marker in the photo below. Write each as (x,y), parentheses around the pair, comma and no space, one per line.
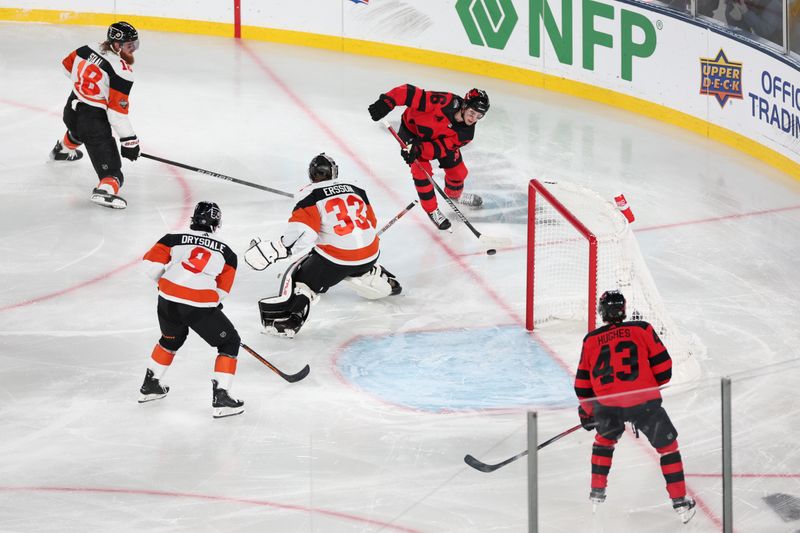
(621,358)
(338,219)
(102,79)
(430,116)
(195,268)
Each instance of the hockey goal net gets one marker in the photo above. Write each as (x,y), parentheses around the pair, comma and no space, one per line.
(580,245)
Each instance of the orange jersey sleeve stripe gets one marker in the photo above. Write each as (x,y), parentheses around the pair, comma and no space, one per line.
(115,99)
(184,293)
(351,255)
(308,216)
(160,253)
(225,278)
(69,61)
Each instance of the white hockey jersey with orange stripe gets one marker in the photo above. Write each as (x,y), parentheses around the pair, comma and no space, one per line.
(192,268)
(104,80)
(338,219)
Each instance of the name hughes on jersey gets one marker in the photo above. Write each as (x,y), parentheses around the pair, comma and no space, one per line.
(204,242)
(616,333)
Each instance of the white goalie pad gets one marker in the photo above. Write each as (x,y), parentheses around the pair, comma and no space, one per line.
(373,285)
(278,307)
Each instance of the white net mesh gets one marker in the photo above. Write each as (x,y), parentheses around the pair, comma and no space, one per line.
(561,270)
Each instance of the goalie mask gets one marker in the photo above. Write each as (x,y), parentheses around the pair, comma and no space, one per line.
(207,217)
(322,168)
(612,306)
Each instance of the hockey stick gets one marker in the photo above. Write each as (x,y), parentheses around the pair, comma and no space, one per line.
(484,467)
(291,378)
(216,175)
(485,239)
(398,216)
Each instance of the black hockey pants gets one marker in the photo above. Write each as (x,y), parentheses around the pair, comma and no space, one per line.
(89,125)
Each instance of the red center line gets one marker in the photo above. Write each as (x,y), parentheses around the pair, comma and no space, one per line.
(733,216)
(720,218)
(206,497)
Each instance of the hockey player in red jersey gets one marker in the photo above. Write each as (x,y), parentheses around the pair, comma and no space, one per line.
(628,360)
(102,77)
(336,218)
(435,125)
(195,272)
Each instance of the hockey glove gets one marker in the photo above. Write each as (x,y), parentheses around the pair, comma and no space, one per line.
(262,254)
(380,107)
(129,147)
(411,152)
(587,420)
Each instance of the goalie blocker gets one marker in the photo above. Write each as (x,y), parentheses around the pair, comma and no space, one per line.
(283,315)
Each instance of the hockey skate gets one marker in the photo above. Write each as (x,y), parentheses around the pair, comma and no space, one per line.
(597,496)
(222,404)
(107,199)
(285,327)
(58,153)
(684,507)
(151,388)
(469,199)
(439,219)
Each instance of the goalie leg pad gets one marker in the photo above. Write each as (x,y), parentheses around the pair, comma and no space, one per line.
(375,284)
(285,315)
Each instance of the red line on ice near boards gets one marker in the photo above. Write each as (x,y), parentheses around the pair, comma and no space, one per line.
(206,497)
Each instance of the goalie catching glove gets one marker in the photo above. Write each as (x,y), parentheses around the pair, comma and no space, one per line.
(262,254)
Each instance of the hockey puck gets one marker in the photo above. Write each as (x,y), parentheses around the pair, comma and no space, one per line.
(491,251)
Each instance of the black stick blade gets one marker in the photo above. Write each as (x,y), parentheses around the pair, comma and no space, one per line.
(294,378)
(478,465)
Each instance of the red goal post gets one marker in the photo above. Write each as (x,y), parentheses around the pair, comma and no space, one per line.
(538,192)
(580,245)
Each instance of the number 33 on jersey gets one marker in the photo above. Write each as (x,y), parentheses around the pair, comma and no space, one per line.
(341,221)
(192,268)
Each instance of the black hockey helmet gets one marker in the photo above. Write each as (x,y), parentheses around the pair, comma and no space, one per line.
(122,32)
(478,100)
(207,217)
(322,168)
(612,306)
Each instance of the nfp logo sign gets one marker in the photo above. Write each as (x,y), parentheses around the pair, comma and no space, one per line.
(721,78)
(491,23)
(487,22)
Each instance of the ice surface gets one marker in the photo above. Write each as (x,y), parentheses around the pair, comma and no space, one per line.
(401,389)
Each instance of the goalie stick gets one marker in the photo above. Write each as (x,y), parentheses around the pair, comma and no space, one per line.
(291,378)
(217,175)
(484,467)
(484,239)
